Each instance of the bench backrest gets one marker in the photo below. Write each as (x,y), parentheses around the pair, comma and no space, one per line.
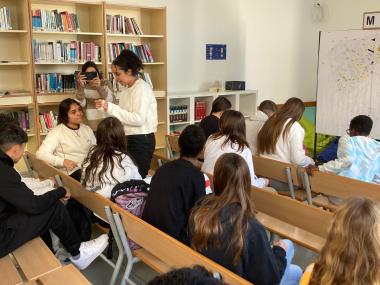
(340,186)
(172,252)
(172,145)
(275,169)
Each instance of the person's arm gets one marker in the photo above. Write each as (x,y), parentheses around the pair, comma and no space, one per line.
(297,153)
(263,264)
(79,95)
(21,197)
(140,104)
(255,181)
(48,147)
(344,157)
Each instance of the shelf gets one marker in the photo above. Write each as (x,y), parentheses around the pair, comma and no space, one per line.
(14,31)
(15,106)
(18,93)
(148,63)
(57,93)
(134,36)
(161,123)
(179,123)
(197,121)
(67,33)
(160,147)
(62,63)
(30,134)
(14,63)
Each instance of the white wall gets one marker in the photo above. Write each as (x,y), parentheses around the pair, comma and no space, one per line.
(272,44)
(190,25)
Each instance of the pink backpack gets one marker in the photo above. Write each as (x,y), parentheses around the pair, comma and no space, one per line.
(131,196)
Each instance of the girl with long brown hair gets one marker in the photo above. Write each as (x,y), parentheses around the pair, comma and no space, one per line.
(230,139)
(281,137)
(108,163)
(223,227)
(351,254)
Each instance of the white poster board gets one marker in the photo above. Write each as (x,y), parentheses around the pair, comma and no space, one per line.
(348,80)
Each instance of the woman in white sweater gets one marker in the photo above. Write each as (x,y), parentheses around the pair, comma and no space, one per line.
(230,139)
(67,144)
(108,163)
(281,137)
(137,109)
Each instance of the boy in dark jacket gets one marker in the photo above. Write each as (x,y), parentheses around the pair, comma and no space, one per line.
(24,216)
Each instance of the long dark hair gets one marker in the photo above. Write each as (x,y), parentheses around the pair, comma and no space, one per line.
(271,131)
(111,143)
(63,110)
(232,184)
(232,125)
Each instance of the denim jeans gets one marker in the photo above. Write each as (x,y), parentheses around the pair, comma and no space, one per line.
(293,273)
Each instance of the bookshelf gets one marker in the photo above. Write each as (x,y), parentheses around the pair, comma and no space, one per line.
(19,64)
(243,101)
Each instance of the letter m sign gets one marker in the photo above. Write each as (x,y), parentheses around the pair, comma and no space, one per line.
(371,20)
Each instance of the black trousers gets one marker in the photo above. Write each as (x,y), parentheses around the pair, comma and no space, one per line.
(23,227)
(141,148)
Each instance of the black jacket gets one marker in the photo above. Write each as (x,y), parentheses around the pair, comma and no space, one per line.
(259,263)
(174,190)
(17,201)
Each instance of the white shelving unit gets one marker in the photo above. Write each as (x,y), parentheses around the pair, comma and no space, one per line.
(244,101)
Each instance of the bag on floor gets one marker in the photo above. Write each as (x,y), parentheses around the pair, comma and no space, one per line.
(131,196)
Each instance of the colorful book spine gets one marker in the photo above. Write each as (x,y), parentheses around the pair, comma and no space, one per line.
(53,20)
(55,83)
(119,24)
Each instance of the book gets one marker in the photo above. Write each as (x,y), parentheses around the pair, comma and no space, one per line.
(142,51)
(65,52)
(55,82)
(47,120)
(5,18)
(54,21)
(119,24)
(21,117)
(200,110)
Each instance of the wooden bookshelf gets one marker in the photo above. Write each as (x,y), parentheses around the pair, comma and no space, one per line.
(18,67)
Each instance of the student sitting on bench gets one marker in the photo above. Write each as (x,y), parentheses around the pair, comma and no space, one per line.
(358,154)
(108,163)
(351,254)
(223,227)
(177,186)
(24,216)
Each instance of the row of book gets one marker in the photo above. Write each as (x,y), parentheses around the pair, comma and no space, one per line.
(66,52)
(22,117)
(48,120)
(200,110)
(52,20)
(119,24)
(142,51)
(178,113)
(5,19)
(55,82)
(117,87)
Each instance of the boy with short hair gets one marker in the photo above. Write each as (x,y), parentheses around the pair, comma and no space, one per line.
(24,216)
(358,154)
(266,109)
(177,186)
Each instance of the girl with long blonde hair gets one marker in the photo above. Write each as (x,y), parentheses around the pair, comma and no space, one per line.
(351,254)
(223,227)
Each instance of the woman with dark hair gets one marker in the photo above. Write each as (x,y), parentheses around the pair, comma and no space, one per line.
(210,124)
(92,88)
(67,144)
(281,137)
(137,109)
(108,163)
(223,227)
(230,138)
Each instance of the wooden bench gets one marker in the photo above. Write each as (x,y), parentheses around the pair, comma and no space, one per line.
(284,172)
(62,276)
(291,219)
(159,251)
(330,184)
(28,262)
(172,146)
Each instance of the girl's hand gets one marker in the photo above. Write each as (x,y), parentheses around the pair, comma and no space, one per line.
(100,103)
(69,164)
(81,79)
(95,82)
(281,243)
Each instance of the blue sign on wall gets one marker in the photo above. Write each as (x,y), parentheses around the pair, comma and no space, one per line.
(216,52)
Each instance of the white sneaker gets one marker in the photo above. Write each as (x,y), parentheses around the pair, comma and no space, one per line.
(90,250)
